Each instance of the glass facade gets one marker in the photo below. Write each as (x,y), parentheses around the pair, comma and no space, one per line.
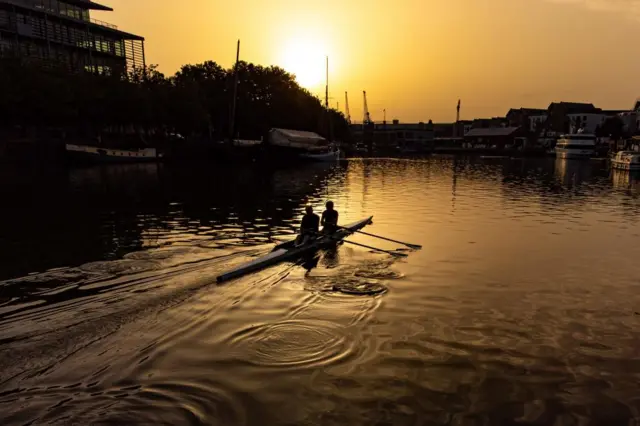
(78,43)
(62,8)
(80,37)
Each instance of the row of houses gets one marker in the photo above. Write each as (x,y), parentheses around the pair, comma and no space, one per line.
(519,125)
(568,117)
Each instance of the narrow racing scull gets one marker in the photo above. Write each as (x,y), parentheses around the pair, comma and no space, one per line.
(287,251)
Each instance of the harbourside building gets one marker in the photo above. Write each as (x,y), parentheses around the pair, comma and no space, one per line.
(489,123)
(460,128)
(631,120)
(569,117)
(63,33)
(562,117)
(399,136)
(493,137)
(527,118)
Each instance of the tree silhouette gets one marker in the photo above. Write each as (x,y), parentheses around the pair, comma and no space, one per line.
(194,102)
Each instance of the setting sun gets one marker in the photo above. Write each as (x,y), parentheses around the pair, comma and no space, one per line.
(306,59)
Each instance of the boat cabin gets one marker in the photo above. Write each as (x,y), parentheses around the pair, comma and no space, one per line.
(297,139)
(626,160)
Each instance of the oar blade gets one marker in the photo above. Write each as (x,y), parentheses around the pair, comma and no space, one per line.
(397,253)
(391,252)
(413,246)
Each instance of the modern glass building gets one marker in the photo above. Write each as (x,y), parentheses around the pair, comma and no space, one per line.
(63,33)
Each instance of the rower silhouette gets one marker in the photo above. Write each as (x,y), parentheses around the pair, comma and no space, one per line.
(309,226)
(329,220)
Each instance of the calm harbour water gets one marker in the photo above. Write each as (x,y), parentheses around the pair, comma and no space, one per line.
(521,308)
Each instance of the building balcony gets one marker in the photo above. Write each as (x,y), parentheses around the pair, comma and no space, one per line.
(103,23)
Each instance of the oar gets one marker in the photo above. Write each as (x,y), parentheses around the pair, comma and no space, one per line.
(393,253)
(414,246)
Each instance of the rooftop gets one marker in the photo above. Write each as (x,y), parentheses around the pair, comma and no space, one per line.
(84,4)
(528,111)
(492,131)
(88,4)
(404,126)
(298,134)
(574,107)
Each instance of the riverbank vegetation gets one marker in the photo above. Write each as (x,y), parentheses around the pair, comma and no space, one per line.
(194,102)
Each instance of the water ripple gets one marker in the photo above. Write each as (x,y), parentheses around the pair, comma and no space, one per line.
(521,308)
(162,403)
(294,343)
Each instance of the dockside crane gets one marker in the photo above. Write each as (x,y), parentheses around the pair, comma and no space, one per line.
(367,116)
(367,126)
(346,107)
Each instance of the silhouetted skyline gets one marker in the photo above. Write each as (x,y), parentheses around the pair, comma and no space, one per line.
(415,58)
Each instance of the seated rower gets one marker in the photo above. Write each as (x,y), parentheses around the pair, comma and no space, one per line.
(329,219)
(309,226)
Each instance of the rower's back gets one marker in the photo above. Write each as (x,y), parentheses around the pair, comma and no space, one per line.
(329,220)
(310,223)
(309,226)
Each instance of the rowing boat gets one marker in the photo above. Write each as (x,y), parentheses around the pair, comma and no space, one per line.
(289,250)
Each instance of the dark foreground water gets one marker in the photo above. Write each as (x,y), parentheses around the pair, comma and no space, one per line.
(523,307)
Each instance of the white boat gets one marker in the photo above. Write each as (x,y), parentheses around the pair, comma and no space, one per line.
(300,145)
(289,251)
(86,153)
(578,145)
(296,140)
(626,160)
(322,157)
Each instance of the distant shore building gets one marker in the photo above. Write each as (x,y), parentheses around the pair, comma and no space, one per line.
(460,128)
(489,123)
(527,118)
(537,121)
(396,135)
(63,33)
(569,117)
(493,137)
(631,120)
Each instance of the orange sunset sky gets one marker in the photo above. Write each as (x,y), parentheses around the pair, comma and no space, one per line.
(414,58)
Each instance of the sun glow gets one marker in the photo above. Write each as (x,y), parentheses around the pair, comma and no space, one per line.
(306,59)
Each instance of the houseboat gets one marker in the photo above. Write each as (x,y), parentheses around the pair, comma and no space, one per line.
(300,145)
(94,154)
(626,160)
(577,145)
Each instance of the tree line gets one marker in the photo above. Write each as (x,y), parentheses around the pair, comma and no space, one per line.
(195,102)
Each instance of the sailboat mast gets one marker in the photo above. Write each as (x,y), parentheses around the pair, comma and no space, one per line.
(326,103)
(232,116)
(326,93)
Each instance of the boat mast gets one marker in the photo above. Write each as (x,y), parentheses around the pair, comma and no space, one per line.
(326,87)
(326,103)
(232,116)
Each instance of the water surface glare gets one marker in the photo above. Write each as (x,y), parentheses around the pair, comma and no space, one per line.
(522,308)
